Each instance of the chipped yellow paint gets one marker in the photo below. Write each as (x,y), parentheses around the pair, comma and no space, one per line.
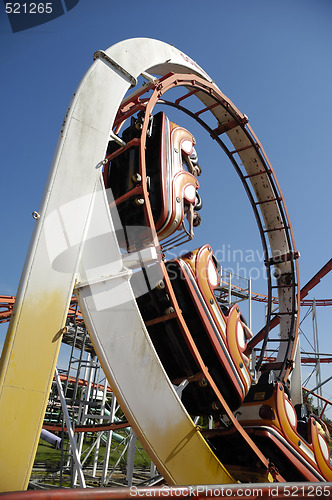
(26,372)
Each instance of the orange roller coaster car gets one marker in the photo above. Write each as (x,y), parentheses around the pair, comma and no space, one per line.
(219,339)
(232,329)
(289,436)
(171,170)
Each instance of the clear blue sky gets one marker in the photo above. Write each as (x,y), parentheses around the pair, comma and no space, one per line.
(272,58)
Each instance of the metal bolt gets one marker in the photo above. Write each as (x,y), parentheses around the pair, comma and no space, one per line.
(136,177)
(139,201)
(35,215)
(59,334)
(203,382)
(161,285)
(216,405)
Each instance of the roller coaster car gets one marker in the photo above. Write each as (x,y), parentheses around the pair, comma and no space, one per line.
(171,168)
(291,439)
(220,340)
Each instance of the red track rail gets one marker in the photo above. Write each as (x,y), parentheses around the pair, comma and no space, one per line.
(301,491)
(303,293)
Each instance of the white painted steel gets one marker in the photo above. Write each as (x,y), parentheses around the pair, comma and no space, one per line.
(131,458)
(75,452)
(108,443)
(296,378)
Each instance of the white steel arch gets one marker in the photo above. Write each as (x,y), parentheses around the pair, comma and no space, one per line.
(34,334)
(74,212)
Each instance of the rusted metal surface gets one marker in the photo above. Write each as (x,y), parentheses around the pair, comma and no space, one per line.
(252,491)
(87,428)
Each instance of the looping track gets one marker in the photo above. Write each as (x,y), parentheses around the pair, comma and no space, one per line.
(59,262)
(260,184)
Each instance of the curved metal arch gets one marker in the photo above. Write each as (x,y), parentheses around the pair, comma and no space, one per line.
(81,146)
(281,253)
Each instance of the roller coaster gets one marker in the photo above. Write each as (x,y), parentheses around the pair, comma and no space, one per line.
(123,191)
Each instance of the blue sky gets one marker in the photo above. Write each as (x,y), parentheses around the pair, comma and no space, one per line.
(272,58)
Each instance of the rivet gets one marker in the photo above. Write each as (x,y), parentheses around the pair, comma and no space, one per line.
(203,382)
(161,285)
(216,405)
(136,178)
(139,201)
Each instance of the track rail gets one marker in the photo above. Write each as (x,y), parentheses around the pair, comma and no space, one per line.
(59,262)
(261,186)
(301,491)
(303,293)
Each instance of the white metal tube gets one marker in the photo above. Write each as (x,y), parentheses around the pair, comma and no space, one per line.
(249,303)
(85,411)
(108,443)
(131,458)
(102,413)
(316,348)
(78,466)
(230,289)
